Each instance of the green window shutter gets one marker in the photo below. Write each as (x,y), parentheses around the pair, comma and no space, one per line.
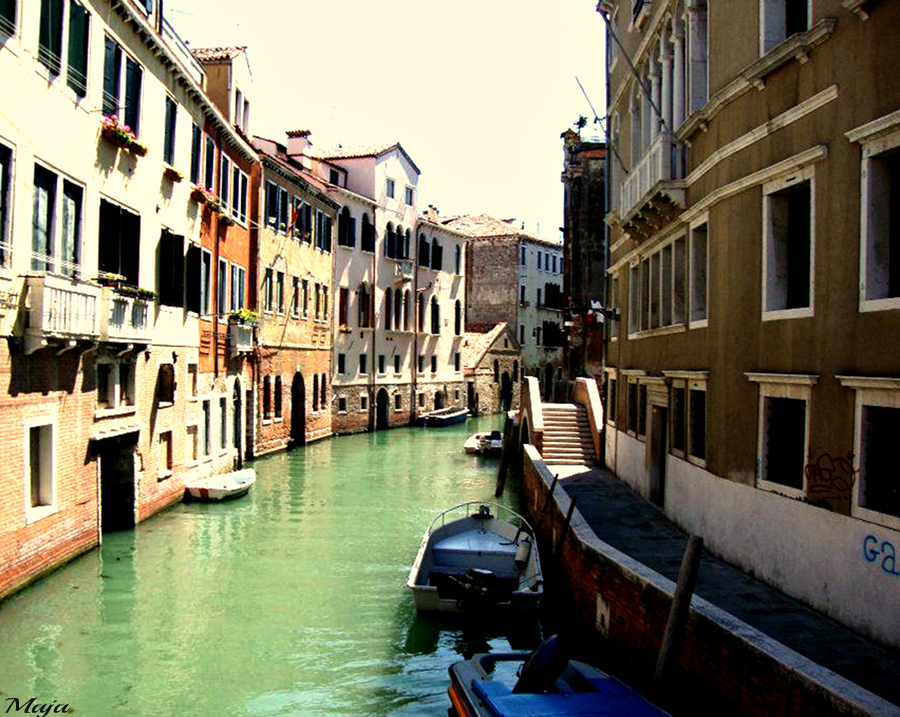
(133,80)
(79,24)
(50,38)
(112,64)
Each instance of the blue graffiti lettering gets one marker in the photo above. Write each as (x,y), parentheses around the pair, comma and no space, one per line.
(889,564)
(886,551)
(870,552)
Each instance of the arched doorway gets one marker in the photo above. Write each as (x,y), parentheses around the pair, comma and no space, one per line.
(298,411)
(439,400)
(236,415)
(382,410)
(505,392)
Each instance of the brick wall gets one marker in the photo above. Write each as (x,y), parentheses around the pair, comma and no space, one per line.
(723,666)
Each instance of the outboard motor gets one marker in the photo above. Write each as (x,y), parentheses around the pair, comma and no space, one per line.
(543,667)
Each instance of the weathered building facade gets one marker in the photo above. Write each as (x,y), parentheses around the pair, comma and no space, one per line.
(102,242)
(516,278)
(584,236)
(752,226)
(491,362)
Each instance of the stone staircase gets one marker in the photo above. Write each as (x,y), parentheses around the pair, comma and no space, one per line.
(567,435)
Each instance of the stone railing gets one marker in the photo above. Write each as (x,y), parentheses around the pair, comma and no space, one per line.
(659,164)
(403,270)
(240,338)
(60,307)
(125,318)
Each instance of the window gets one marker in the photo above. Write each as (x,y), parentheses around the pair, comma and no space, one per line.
(56,226)
(223,423)
(205,282)
(125,108)
(390,242)
(613,304)
(225,182)
(398,310)
(788,245)
(295,296)
(334,177)
(238,277)
(40,468)
(363,367)
(433,364)
(193,371)
(222,289)
(420,312)
(699,267)
(409,196)
(277,207)
(304,297)
(53,21)
(524,254)
(8,17)
(324,386)
(522,301)
(5,184)
(437,255)
(779,19)
(398,402)
(456,361)
(388,309)
(457,318)
(209,175)
(363,403)
(268,290)
(115,384)
(342,404)
(421,400)
(279,293)
(636,405)
(521,334)
(169,134)
(165,384)
(687,415)
(435,316)
(206,427)
(389,188)
(346,229)
(267,397)
(239,182)
(343,306)
(367,239)
(196,150)
(880,224)
(318,299)
(421,365)
(610,384)
(277,392)
(397,363)
(424,251)
(458,259)
(539,260)
(165,455)
(380,363)
(783,431)
(342,363)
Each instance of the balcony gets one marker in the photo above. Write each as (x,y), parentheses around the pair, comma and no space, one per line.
(657,175)
(125,319)
(60,309)
(240,338)
(403,271)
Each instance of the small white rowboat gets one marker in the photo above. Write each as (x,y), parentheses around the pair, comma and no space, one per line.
(222,487)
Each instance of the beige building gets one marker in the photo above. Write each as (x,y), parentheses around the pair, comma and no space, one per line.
(295,254)
(751,385)
(106,269)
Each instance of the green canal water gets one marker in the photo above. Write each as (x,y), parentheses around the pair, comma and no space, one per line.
(291,601)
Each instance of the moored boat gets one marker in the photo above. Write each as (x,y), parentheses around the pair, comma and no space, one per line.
(539,684)
(443,416)
(477,561)
(224,486)
(487,443)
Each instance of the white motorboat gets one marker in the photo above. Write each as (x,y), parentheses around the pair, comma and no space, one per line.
(223,486)
(470,559)
(487,443)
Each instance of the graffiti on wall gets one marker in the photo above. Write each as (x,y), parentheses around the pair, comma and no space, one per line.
(881,551)
(829,481)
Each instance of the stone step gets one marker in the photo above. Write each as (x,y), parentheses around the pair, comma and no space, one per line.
(565,462)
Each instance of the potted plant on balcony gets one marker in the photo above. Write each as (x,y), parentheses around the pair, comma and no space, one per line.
(173,174)
(121,136)
(224,216)
(105,278)
(242,316)
(202,195)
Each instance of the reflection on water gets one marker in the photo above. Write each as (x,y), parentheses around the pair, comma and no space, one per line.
(291,601)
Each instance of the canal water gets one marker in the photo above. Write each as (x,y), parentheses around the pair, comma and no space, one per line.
(291,601)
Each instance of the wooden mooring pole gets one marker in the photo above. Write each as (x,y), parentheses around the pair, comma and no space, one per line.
(681,603)
(565,529)
(509,450)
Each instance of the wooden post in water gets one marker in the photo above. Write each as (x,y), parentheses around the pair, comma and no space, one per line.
(562,538)
(681,603)
(506,454)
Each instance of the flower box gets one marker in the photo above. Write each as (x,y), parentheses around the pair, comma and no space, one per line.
(242,316)
(120,135)
(225,218)
(173,174)
(202,195)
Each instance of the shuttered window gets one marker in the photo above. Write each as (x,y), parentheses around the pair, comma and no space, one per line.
(112,74)
(169,136)
(133,80)
(8,17)
(194,289)
(119,242)
(51,34)
(79,26)
(5,175)
(170,268)
(196,149)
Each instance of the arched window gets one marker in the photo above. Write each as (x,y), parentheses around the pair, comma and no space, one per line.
(277,397)
(406,238)
(323,386)
(424,252)
(436,254)
(367,240)
(435,316)
(315,392)
(398,309)
(406,310)
(420,313)
(267,396)
(399,245)
(346,228)
(388,309)
(515,370)
(458,259)
(363,305)
(390,242)
(496,371)
(457,318)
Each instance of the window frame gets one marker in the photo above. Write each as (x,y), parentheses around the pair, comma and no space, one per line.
(778,186)
(114,404)
(611,376)
(692,288)
(791,386)
(688,381)
(170,130)
(34,513)
(56,262)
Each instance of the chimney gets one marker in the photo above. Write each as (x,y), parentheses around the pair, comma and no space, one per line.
(298,142)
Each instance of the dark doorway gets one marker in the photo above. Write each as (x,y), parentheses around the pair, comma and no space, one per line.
(382,409)
(471,399)
(236,433)
(438,400)
(250,423)
(506,391)
(658,451)
(298,411)
(116,457)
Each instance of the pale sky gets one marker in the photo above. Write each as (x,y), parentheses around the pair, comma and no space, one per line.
(476,91)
